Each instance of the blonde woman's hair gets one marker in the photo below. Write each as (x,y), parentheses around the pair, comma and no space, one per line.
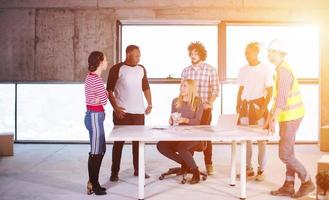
(193,101)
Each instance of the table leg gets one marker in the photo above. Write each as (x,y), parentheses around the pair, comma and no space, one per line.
(141,170)
(243,164)
(233,163)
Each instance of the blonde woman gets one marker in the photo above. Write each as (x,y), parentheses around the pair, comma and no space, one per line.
(190,108)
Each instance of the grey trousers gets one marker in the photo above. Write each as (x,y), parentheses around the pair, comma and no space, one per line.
(287,132)
(261,147)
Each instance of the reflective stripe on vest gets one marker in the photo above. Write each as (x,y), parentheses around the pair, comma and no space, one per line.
(295,107)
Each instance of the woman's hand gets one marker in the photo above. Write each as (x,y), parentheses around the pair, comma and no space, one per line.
(97,101)
(171,122)
(184,120)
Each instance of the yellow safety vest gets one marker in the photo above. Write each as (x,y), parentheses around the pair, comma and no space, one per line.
(295,107)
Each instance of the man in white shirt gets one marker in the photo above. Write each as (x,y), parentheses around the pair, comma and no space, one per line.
(127,86)
(255,82)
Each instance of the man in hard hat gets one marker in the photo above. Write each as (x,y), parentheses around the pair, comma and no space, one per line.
(255,82)
(288,110)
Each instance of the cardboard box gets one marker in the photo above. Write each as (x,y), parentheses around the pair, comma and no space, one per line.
(324,138)
(6,144)
(323,163)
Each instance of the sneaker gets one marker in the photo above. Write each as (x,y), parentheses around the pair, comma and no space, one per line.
(286,190)
(250,174)
(146,175)
(114,178)
(260,176)
(210,169)
(304,189)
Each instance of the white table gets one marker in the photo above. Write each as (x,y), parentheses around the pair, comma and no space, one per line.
(144,134)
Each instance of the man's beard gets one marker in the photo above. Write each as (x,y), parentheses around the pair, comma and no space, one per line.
(195,62)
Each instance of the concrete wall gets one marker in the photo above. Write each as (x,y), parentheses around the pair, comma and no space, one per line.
(50,40)
(17,55)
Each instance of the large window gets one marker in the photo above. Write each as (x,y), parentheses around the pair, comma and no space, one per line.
(164,54)
(303,55)
(54,116)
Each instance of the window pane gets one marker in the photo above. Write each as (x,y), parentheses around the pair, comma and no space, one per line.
(309,128)
(53,112)
(7,108)
(303,46)
(230,92)
(164,47)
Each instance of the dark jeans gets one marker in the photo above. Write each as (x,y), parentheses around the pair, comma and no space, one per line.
(183,149)
(206,120)
(129,119)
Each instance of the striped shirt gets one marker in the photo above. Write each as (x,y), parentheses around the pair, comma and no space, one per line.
(206,78)
(96,95)
(284,85)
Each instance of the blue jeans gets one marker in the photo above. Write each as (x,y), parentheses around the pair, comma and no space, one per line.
(94,122)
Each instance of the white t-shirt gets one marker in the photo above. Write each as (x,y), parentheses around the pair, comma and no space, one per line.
(255,80)
(128,84)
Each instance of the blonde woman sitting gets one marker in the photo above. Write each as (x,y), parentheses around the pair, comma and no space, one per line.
(190,108)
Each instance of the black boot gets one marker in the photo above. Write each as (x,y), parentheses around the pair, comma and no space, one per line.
(286,190)
(93,186)
(196,176)
(99,159)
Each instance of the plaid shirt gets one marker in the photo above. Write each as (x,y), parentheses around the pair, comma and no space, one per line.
(206,80)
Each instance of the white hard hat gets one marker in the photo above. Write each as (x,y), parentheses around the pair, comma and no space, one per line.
(278,45)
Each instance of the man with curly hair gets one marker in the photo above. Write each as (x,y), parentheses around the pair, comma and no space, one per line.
(207,86)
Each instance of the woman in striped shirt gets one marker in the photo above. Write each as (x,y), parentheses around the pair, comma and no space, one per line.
(96,98)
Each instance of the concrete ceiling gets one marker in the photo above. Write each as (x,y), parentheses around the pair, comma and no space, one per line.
(164,3)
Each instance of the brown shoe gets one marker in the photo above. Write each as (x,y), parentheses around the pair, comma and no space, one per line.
(286,190)
(304,189)
(260,176)
(250,174)
(210,169)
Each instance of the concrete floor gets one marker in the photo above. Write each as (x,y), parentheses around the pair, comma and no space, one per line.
(57,171)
